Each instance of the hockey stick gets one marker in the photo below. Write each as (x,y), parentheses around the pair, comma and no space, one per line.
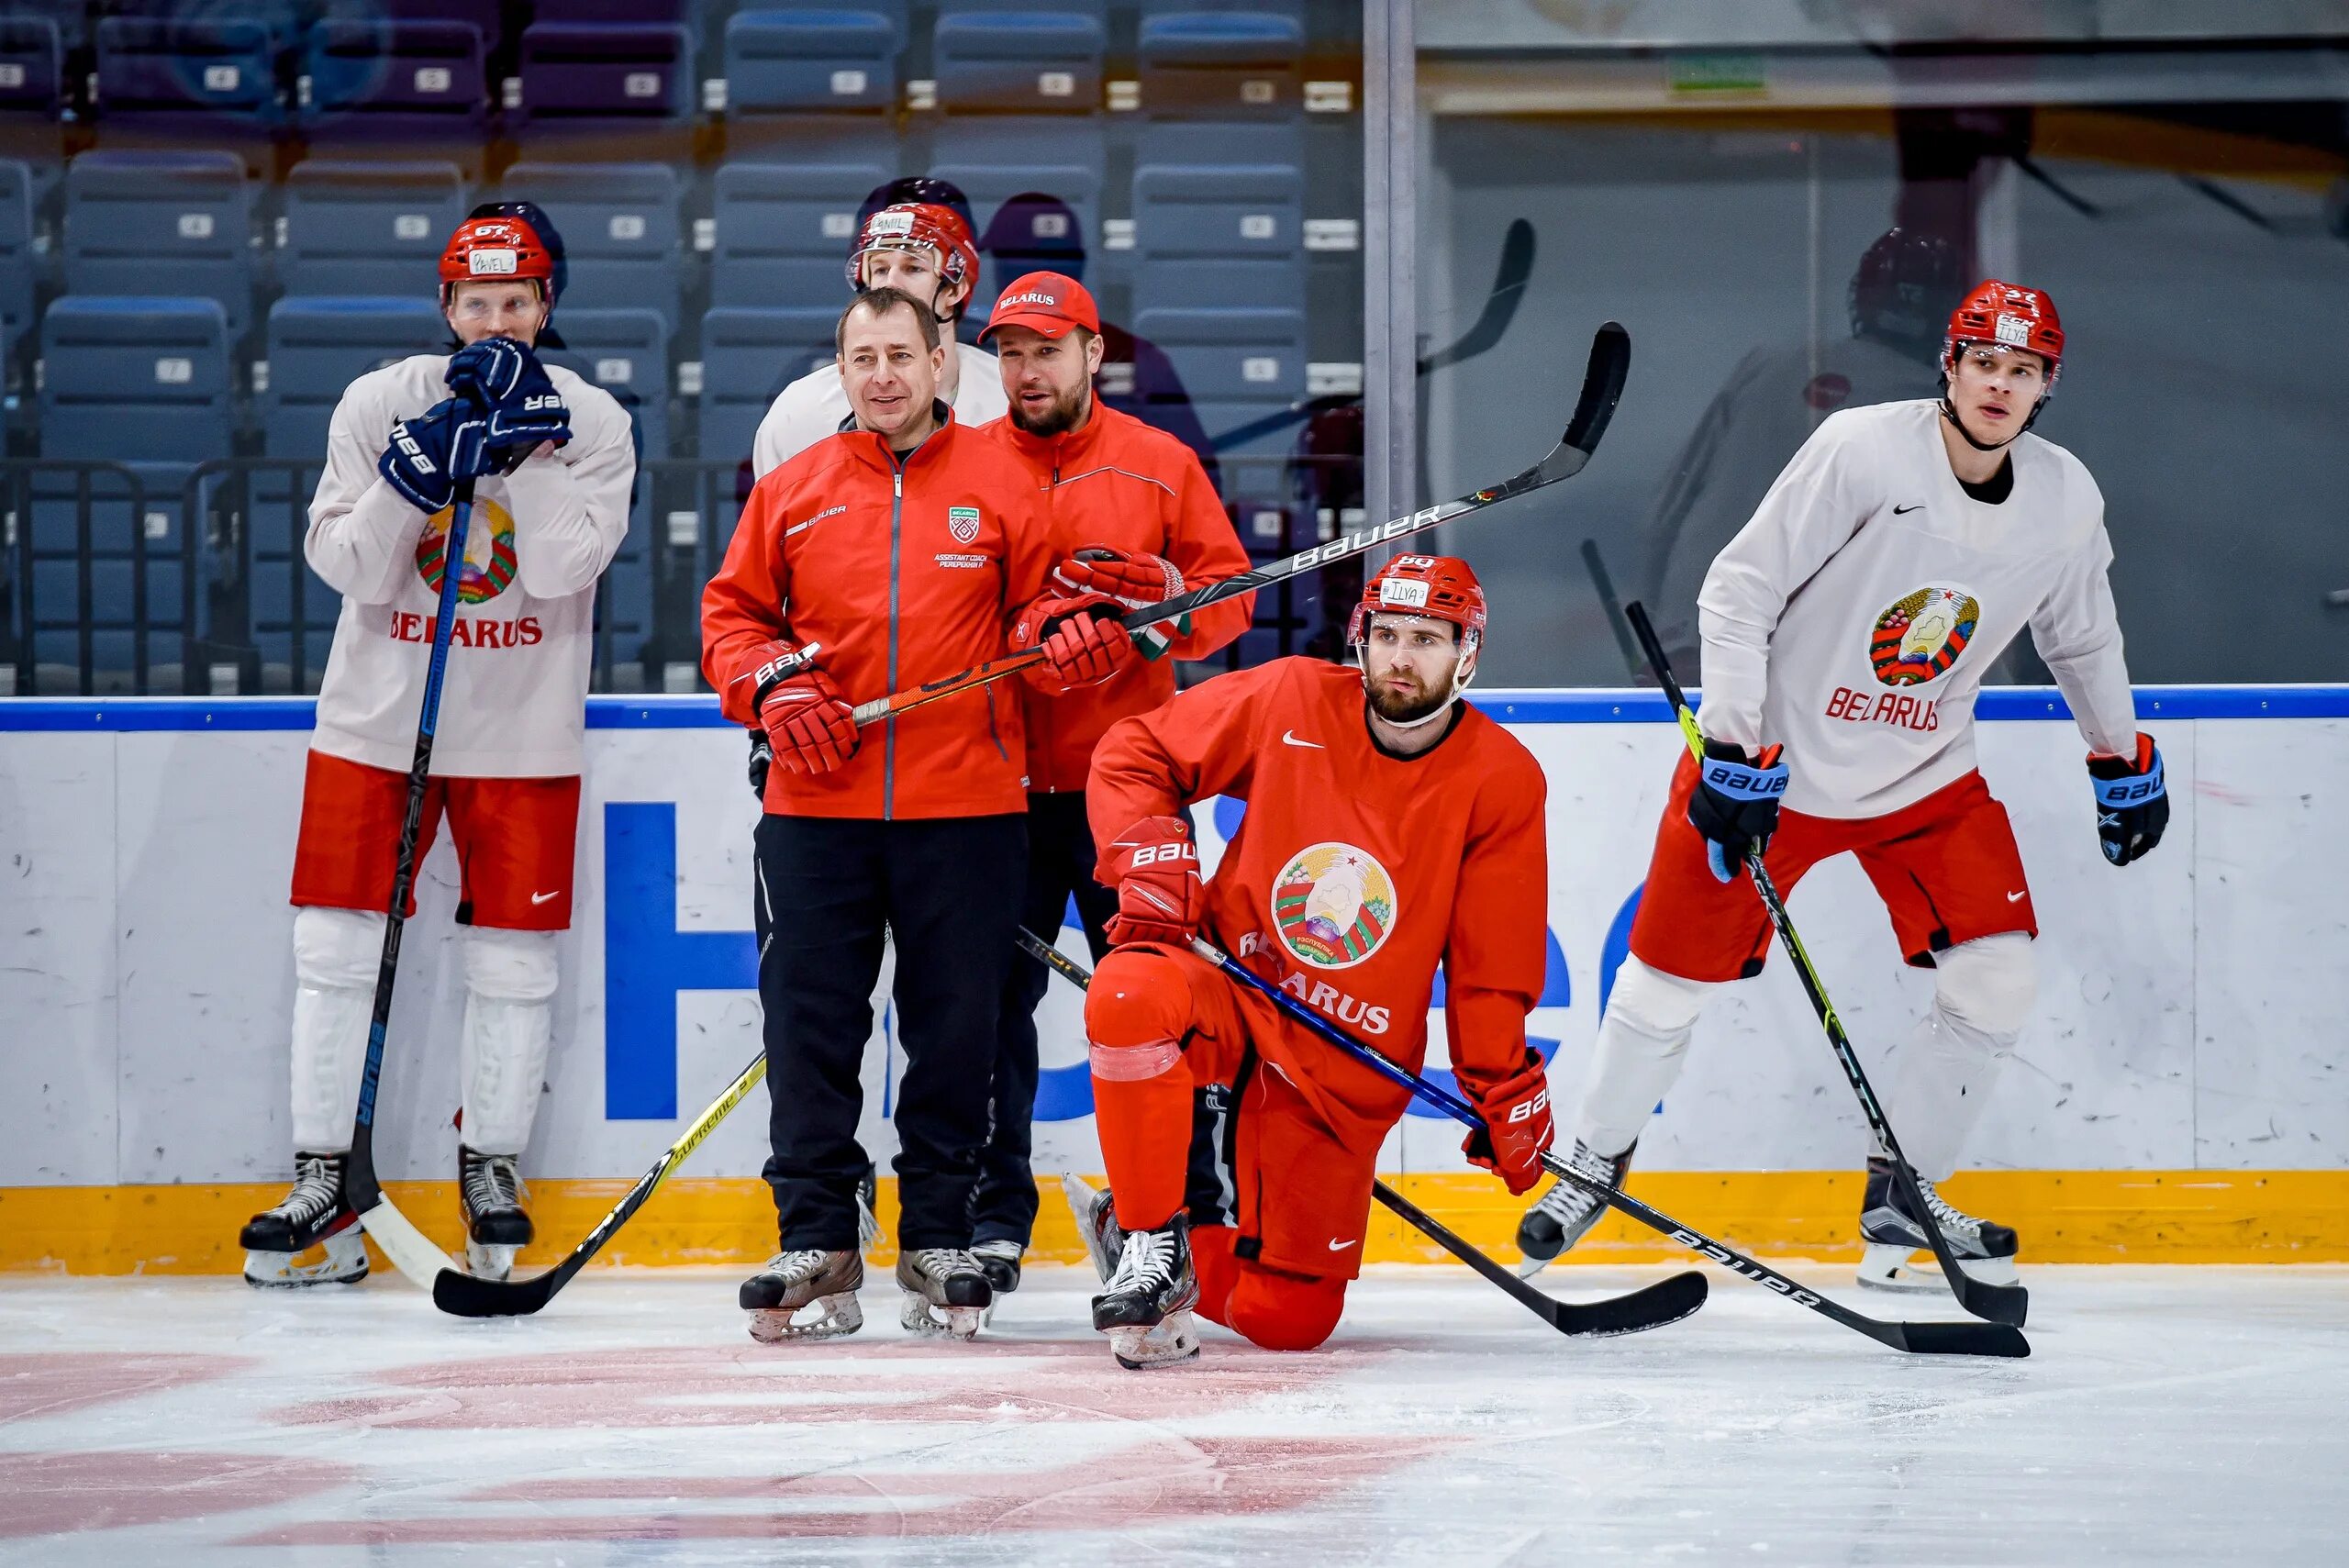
(1924,1338)
(1652,1307)
(410,1250)
(1596,566)
(2006,1303)
(1611,362)
(469,1296)
(1510,279)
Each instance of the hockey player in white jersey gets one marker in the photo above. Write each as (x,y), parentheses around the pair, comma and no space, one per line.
(1846,630)
(553,461)
(922,247)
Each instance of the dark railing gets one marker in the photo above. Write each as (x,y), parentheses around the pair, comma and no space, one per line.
(234,523)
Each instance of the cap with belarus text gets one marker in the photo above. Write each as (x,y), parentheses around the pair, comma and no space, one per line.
(1048,302)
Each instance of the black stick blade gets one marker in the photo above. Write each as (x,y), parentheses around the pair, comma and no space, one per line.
(1602,388)
(1650,1307)
(1964,1339)
(464,1295)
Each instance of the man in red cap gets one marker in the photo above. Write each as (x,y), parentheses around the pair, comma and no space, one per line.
(1133,516)
(551,462)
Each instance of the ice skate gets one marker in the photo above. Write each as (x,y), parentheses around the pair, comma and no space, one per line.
(946,1291)
(1000,1260)
(1146,1310)
(1985,1250)
(1097,1221)
(796,1281)
(314,1214)
(491,1190)
(1562,1215)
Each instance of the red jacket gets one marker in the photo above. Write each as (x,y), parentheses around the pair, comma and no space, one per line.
(1121,482)
(905,573)
(1354,873)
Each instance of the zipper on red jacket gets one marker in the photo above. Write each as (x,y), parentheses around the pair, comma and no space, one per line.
(889,734)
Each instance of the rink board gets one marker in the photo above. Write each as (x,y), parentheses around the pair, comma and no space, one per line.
(2178,1093)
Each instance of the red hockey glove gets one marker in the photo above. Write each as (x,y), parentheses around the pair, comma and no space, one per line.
(1132,577)
(1160,895)
(1516,1125)
(811,726)
(1080,638)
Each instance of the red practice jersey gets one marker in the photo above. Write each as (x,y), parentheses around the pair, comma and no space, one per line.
(1354,873)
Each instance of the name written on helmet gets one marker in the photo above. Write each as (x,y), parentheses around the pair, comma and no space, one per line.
(889,224)
(493,261)
(2013,330)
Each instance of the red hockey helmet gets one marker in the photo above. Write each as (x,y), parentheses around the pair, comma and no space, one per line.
(2006,315)
(492,249)
(911,224)
(1440,587)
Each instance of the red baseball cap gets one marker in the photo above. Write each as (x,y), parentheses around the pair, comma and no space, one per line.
(1048,302)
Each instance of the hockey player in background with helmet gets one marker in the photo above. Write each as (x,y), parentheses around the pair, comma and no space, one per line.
(552,460)
(1390,829)
(1899,300)
(922,247)
(1846,630)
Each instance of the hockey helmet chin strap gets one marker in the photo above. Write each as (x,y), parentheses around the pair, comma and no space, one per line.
(1463,672)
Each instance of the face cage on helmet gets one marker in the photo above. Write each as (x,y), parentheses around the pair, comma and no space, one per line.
(1951,348)
(1464,669)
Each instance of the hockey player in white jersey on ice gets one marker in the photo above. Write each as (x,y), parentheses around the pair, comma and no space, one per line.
(552,460)
(1846,630)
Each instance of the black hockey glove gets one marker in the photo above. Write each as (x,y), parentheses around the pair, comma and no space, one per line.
(505,380)
(761,759)
(1736,803)
(428,453)
(2132,801)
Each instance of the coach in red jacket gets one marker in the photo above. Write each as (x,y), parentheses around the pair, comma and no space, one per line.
(902,551)
(1133,517)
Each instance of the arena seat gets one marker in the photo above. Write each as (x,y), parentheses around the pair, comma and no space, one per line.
(367,229)
(593,75)
(749,355)
(784,231)
(132,219)
(17,265)
(1020,55)
(158,367)
(395,79)
(626,353)
(817,54)
(1239,365)
(32,66)
(994,160)
(1221,234)
(622,230)
(318,347)
(188,70)
(1221,60)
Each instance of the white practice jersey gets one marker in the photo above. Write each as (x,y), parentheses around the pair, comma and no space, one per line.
(813,406)
(514,704)
(1852,620)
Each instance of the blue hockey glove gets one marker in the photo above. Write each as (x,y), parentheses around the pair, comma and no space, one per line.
(428,453)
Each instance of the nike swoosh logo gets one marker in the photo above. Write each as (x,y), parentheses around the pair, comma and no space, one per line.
(1288,738)
(1903,511)
(543,897)
(1341,1245)
(2016,898)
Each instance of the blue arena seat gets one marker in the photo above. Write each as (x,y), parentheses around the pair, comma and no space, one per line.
(626,353)
(1020,55)
(994,160)
(784,231)
(1220,58)
(142,382)
(184,71)
(813,55)
(32,66)
(318,347)
(1220,234)
(18,269)
(395,79)
(1238,364)
(622,230)
(133,220)
(748,356)
(70,18)
(590,75)
(367,229)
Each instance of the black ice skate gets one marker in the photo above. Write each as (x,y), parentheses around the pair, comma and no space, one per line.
(1984,1249)
(1562,1215)
(1146,1310)
(314,1214)
(946,1291)
(491,1190)
(793,1282)
(1000,1260)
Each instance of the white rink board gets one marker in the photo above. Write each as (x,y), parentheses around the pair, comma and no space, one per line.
(2187,1016)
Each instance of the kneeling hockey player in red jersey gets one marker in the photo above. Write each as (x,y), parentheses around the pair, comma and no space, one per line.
(1390,828)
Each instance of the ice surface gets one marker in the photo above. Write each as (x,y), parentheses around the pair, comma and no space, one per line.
(2168,1415)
